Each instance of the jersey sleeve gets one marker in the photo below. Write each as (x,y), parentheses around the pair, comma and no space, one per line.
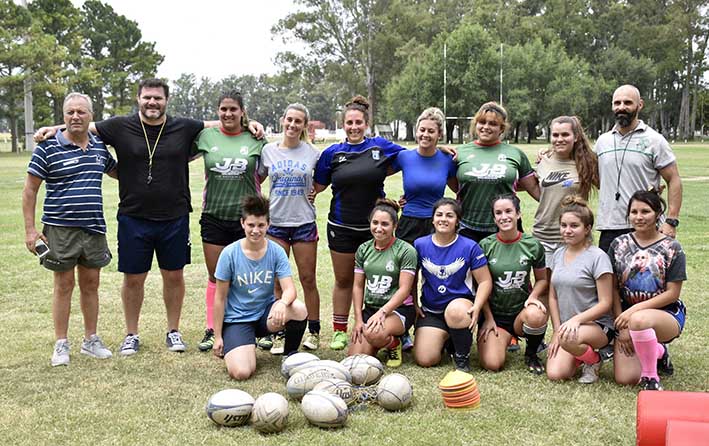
(525,167)
(359,259)
(539,257)
(452,166)
(396,164)
(601,265)
(282,266)
(677,269)
(664,156)
(477,257)
(264,162)
(110,129)
(225,265)
(110,162)
(38,163)
(323,168)
(409,258)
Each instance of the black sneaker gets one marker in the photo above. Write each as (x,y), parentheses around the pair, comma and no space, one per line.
(462,362)
(664,365)
(207,341)
(606,353)
(534,365)
(650,384)
(174,342)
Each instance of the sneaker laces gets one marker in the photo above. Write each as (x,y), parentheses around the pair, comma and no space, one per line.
(61,347)
(175,337)
(393,353)
(208,335)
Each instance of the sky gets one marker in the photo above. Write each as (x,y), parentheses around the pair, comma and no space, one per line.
(212,38)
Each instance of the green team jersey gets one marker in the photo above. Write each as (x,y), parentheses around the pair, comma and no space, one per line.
(483,173)
(511,264)
(381,269)
(230,168)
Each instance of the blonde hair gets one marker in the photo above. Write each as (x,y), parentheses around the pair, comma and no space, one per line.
(304,136)
(436,115)
(496,109)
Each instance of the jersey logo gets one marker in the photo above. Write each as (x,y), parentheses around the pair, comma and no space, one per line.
(375,154)
(379,284)
(523,260)
(502,157)
(342,159)
(556,178)
(488,171)
(443,271)
(442,289)
(389,266)
(511,279)
(70,162)
(492,261)
(231,167)
(244,150)
(214,149)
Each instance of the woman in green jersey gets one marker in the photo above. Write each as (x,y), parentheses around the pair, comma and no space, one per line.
(231,157)
(517,307)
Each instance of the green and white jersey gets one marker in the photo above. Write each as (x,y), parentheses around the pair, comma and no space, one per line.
(511,264)
(381,269)
(483,173)
(230,168)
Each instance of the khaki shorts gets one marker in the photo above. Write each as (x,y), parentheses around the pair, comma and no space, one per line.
(71,246)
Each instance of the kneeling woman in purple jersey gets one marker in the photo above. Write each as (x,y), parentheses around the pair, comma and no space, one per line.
(649,270)
(381,295)
(450,307)
(244,304)
(580,297)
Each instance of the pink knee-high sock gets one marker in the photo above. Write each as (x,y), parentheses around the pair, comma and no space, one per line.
(209,299)
(648,350)
(589,356)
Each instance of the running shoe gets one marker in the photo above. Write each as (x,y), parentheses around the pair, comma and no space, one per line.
(406,342)
(394,356)
(590,373)
(174,341)
(60,356)
(462,362)
(649,384)
(94,347)
(265,343)
(664,365)
(130,345)
(207,341)
(312,341)
(534,365)
(279,343)
(339,340)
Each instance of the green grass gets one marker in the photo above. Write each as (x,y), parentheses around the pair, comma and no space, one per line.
(158,398)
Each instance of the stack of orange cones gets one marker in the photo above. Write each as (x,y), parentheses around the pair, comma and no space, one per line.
(460,391)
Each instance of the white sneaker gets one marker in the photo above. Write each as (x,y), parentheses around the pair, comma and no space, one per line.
(61,353)
(94,347)
(590,372)
(279,344)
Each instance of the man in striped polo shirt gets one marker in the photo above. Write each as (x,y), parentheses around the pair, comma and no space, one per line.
(72,164)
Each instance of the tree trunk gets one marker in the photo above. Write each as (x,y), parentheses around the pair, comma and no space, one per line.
(13,133)
(450,128)
(409,131)
(530,131)
(461,131)
(517,125)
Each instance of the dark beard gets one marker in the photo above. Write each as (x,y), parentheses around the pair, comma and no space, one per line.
(624,119)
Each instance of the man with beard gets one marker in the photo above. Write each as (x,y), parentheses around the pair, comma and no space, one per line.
(632,157)
(153,151)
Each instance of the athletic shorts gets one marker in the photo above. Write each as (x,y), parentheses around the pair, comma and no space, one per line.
(306,233)
(411,228)
(407,314)
(678,311)
(236,334)
(216,231)
(435,320)
(608,331)
(608,235)
(70,246)
(138,238)
(507,323)
(473,235)
(345,240)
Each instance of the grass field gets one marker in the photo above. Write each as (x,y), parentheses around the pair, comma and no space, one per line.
(158,398)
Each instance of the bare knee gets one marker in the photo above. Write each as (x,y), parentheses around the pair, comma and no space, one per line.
(492,364)
(457,316)
(640,320)
(534,317)
(556,375)
(426,360)
(298,311)
(626,379)
(307,281)
(376,339)
(239,373)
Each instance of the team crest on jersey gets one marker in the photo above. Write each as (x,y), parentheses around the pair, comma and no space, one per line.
(366,263)
(214,149)
(443,271)
(389,266)
(523,259)
(502,157)
(231,167)
(244,150)
(511,279)
(487,171)
(375,154)
(442,289)
(342,159)
(492,261)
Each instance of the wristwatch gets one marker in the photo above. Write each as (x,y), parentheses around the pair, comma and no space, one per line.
(672,222)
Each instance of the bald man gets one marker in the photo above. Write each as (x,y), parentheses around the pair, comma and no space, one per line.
(632,157)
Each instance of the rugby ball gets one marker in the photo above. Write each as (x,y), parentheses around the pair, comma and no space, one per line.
(395,392)
(303,381)
(230,407)
(294,361)
(324,363)
(270,413)
(324,409)
(338,387)
(364,369)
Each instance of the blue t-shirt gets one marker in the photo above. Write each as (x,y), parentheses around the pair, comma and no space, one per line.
(425,179)
(251,281)
(357,173)
(447,270)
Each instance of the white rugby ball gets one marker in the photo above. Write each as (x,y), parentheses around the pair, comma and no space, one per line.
(296,360)
(303,381)
(395,392)
(270,413)
(364,369)
(324,409)
(338,387)
(230,407)
(324,363)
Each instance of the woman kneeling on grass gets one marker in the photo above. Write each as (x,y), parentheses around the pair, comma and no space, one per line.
(649,270)
(450,306)
(580,297)
(517,308)
(244,305)
(385,268)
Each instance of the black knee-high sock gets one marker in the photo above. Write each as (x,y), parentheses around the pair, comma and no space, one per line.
(294,334)
(314,325)
(462,340)
(535,337)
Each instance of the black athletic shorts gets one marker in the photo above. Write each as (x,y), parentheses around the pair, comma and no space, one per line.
(411,228)
(216,231)
(435,320)
(345,240)
(407,314)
